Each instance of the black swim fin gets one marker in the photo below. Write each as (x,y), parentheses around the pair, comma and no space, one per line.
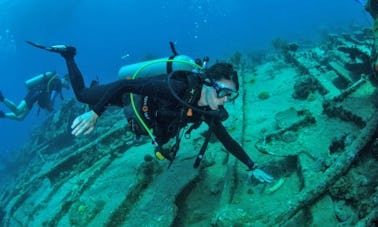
(57,48)
(65,51)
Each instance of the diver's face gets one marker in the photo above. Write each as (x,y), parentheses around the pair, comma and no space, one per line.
(221,92)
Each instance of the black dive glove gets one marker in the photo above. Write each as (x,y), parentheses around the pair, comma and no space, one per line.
(169,154)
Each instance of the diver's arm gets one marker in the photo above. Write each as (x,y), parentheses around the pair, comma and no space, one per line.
(84,124)
(152,87)
(53,96)
(235,149)
(231,145)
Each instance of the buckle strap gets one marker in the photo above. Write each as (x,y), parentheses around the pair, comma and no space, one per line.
(204,146)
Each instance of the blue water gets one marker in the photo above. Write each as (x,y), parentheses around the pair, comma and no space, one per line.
(111,33)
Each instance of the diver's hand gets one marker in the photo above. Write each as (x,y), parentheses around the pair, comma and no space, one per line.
(84,123)
(260,175)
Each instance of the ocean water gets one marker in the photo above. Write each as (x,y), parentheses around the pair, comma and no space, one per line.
(112,33)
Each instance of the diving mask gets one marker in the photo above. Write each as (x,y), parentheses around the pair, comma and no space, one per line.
(223,90)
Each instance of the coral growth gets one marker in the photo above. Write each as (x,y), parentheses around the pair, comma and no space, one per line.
(263,95)
(305,86)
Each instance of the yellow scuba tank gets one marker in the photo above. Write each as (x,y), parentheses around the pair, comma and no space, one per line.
(37,80)
(157,67)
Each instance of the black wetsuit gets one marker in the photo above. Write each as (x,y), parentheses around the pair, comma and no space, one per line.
(159,95)
(41,94)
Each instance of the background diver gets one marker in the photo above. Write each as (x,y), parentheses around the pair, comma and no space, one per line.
(167,101)
(42,89)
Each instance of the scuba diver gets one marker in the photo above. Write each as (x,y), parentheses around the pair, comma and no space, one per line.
(168,104)
(42,89)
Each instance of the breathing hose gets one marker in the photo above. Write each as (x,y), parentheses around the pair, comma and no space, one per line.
(170,88)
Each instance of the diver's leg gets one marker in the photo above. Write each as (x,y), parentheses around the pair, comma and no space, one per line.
(83,94)
(76,78)
(86,95)
(13,107)
(20,112)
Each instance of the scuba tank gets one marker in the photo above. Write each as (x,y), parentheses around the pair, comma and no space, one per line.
(157,67)
(176,62)
(39,79)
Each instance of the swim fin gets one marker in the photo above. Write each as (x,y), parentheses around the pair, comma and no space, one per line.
(64,50)
(56,48)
